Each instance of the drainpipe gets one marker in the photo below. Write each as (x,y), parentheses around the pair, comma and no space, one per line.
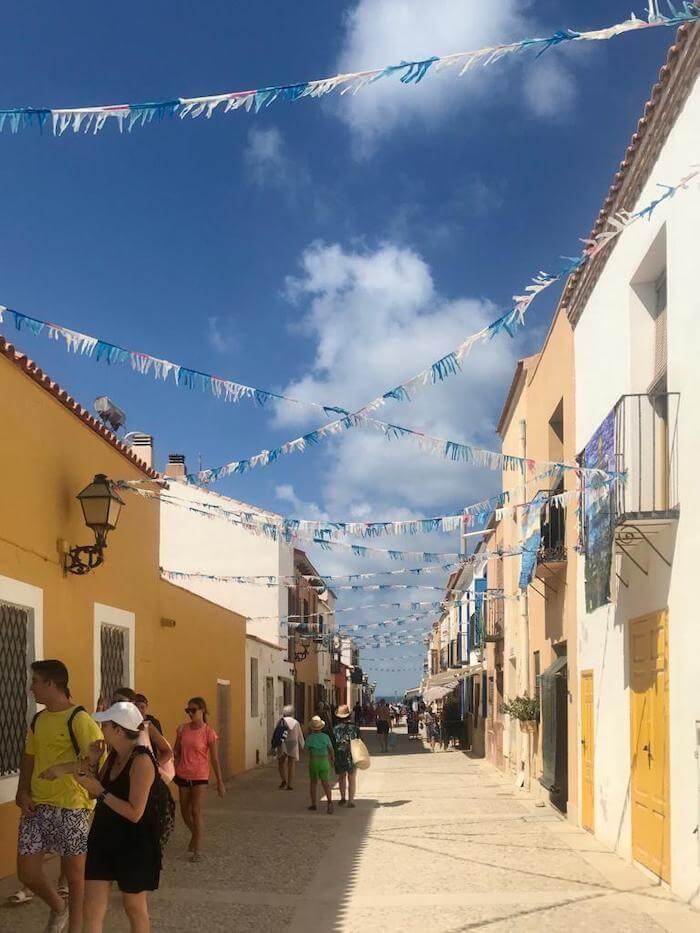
(525,626)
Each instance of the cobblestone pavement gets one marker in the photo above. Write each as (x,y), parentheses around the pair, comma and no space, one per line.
(437,842)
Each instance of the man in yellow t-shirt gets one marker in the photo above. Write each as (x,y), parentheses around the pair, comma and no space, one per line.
(55,808)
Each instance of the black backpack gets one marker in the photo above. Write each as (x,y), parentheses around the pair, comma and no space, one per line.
(73,740)
(164,809)
(279,735)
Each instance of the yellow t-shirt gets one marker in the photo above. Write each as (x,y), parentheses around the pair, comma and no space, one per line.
(50,744)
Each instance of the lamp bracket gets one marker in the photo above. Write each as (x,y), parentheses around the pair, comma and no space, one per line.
(77,563)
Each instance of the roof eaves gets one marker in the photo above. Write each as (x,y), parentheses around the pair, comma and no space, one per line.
(676,79)
(34,372)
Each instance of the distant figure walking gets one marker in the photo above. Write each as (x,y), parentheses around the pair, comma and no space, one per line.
(289,749)
(432,729)
(124,840)
(344,732)
(383,725)
(196,748)
(357,711)
(321,757)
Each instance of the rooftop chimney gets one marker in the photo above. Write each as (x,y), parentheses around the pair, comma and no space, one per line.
(176,468)
(142,447)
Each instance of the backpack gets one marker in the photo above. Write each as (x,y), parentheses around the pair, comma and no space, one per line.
(73,740)
(164,809)
(280,734)
(161,804)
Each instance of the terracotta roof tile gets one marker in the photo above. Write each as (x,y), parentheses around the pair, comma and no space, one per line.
(687,38)
(30,368)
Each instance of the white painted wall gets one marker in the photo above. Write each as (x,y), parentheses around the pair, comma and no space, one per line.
(611,345)
(192,542)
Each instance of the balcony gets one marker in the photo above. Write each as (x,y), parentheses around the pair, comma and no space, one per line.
(551,553)
(646,448)
(493,617)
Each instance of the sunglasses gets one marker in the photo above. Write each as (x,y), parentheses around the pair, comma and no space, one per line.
(191,710)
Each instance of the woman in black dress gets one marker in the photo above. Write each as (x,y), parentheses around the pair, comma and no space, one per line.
(124,843)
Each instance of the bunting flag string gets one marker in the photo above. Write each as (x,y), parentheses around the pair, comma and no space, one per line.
(145,364)
(102,351)
(127,116)
(272,580)
(299,619)
(326,532)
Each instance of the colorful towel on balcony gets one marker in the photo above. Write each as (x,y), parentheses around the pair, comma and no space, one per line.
(532,536)
(598,516)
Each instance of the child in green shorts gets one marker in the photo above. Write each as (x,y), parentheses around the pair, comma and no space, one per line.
(321,757)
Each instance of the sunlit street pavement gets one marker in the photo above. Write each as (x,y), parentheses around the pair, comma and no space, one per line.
(437,842)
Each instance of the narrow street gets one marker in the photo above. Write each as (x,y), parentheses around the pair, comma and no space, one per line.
(437,842)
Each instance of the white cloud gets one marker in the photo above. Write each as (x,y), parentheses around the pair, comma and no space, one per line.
(219,339)
(383,32)
(376,318)
(549,88)
(264,157)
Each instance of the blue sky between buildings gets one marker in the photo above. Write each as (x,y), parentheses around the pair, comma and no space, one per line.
(327,248)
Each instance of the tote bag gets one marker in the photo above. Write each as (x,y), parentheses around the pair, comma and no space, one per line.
(359,754)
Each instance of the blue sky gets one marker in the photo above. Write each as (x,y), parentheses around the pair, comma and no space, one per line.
(328,248)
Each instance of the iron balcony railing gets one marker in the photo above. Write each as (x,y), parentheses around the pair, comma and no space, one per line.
(552,547)
(646,449)
(493,616)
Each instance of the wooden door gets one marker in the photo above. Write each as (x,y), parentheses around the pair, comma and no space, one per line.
(649,741)
(223,724)
(270,710)
(587,752)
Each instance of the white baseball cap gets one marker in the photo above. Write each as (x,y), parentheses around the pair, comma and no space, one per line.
(123,714)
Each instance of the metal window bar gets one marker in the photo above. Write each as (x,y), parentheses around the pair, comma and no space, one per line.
(15,706)
(553,530)
(113,664)
(646,448)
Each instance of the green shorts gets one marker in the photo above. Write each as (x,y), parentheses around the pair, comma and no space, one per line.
(319,769)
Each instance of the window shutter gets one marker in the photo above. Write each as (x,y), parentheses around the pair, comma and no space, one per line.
(660,345)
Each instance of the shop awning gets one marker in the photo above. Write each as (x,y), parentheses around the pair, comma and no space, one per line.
(439,692)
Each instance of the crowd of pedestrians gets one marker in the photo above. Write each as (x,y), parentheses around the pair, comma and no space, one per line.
(93,790)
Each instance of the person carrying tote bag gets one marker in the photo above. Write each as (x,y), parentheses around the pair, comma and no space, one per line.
(345,737)
(360,754)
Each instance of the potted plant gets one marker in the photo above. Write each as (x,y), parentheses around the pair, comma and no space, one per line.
(525,709)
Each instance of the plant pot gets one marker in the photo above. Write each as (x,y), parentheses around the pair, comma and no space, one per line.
(528,725)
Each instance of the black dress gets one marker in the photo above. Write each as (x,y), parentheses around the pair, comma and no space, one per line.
(119,850)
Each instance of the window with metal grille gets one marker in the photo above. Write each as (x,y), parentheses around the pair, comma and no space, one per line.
(114,665)
(254,688)
(16,704)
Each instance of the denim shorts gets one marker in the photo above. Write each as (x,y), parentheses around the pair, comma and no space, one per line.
(54,829)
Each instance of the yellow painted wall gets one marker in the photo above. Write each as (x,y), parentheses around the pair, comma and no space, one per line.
(553,619)
(47,456)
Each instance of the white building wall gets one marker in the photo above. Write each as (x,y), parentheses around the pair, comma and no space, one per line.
(192,542)
(610,347)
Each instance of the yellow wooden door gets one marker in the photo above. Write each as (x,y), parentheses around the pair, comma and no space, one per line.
(649,740)
(587,752)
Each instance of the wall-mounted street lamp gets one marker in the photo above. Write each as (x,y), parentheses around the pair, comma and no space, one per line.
(101,506)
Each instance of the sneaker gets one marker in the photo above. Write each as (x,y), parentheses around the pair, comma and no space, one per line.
(195,857)
(58,923)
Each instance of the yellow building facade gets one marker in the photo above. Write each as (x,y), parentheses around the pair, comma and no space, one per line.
(120,621)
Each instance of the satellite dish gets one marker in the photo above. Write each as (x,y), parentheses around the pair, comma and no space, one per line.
(110,413)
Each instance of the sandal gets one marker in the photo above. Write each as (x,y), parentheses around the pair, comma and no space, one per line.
(289,787)
(283,785)
(329,808)
(351,804)
(20,897)
(341,803)
(312,807)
